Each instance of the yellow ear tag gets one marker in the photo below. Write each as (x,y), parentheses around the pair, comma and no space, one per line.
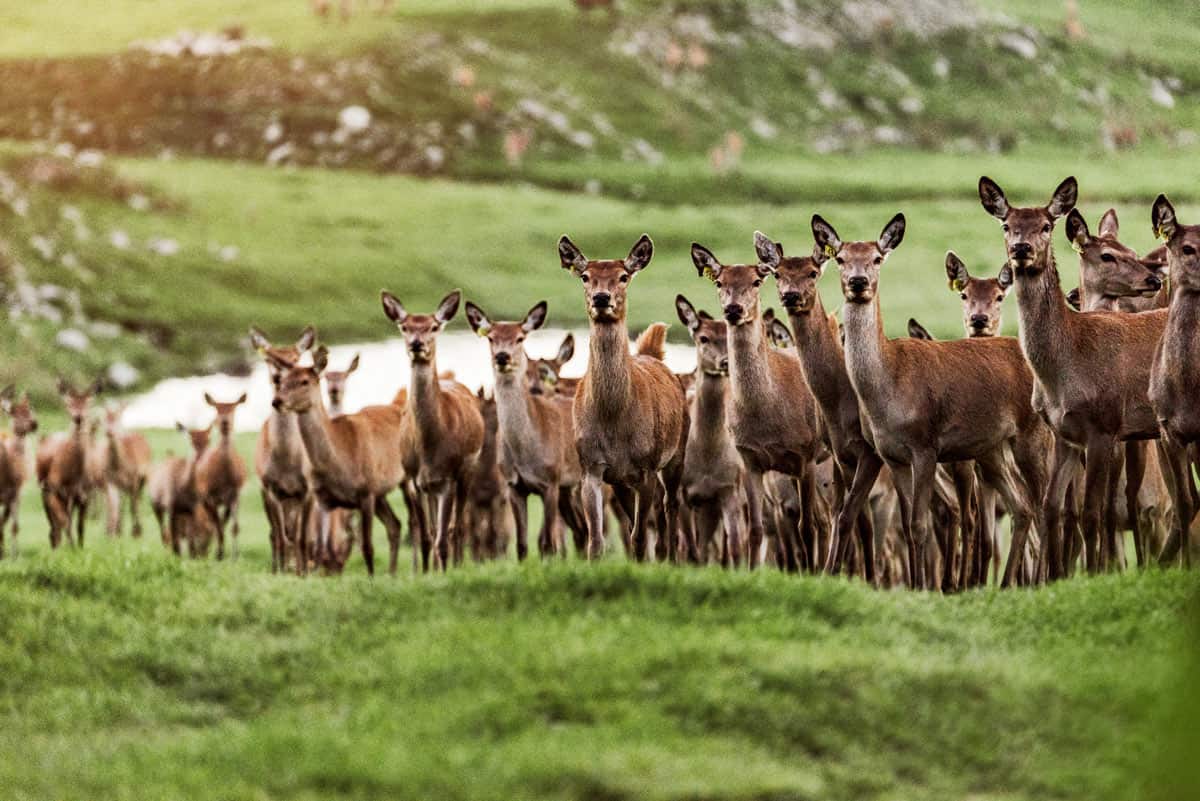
(1075,246)
(709,274)
(1160,235)
(958,285)
(830,251)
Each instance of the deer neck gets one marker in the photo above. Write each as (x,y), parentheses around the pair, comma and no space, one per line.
(1181,338)
(867,351)
(748,364)
(513,411)
(609,367)
(284,438)
(1089,294)
(709,418)
(820,355)
(424,402)
(313,424)
(1045,322)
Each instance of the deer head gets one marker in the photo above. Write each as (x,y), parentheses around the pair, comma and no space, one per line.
(796,276)
(858,262)
(225,413)
(77,402)
(982,298)
(1183,245)
(712,346)
(290,353)
(24,422)
(507,340)
(542,374)
(1028,239)
(420,330)
(198,438)
(1109,268)
(335,383)
(605,282)
(299,389)
(737,285)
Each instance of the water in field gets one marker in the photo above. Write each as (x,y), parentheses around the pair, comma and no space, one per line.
(383,369)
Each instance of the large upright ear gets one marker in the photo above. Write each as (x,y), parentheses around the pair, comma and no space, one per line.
(770,253)
(241,399)
(392,307)
(778,333)
(572,258)
(6,397)
(827,239)
(1162,216)
(307,337)
(1005,278)
(640,255)
(892,234)
(448,307)
(180,427)
(918,331)
(535,318)
(1077,230)
(258,340)
(353,365)
(1073,299)
(64,387)
(478,321)
(320,359)
(687,314)
(566,350)
(1064,198)
(209,400)
(992,197)
(1109,224)
(768,315)
(956,272)
(706,263)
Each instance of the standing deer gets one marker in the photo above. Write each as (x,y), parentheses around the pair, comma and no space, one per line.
(62,467)
(487,514)
(537,445)
(220,475)
(543,374)
(174,498)
(335,385)
(122,461)
(443,427)
(1175,375)
(354,460)
(936,401)
(712,468)
(630,412)
(1092,369)
(13,461)
(280,460)
(770,434)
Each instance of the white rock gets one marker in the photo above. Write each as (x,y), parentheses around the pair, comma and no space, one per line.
(139,202)
(64,150)
(763,128)
(273,133)
(104,330)
(1016,43)
(119,239)
(888,135)
(280,153)
(43,246)
(592,187)
(123,374)
(1160,94)
(912,104)
(228,253)
(435,156)
(354,119)
(941,67)
(582,139)
(163,246)
(73,339)
(89,158)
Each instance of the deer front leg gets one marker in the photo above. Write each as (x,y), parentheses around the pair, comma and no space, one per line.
(366,517)
(135,501)
(549,520)
(753,484)
(592,492)
(236,529)
(1176,467)
(1135,474)
(443,501)
(518,501)
(80,507)
(112,509)
(732,520)
(1098,462)
(923,475)
(391,524)
(1063,472)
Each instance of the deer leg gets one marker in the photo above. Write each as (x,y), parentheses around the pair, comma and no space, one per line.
(733,523)
(5,513)
(866,471)
(921,482)
(810,545)
(1177,470)
(549,520)
(80,507)
(1059,491)
(995,474)
(753,484)
(568,511)
(135,501)
(1135,474)
(391,524)
(707,516)
(1098,463)
(274,526)
(1112,547)
(112,509)
(236,529)
(518,501)
(367,508)
(592,492)
(443,498)
(627,498)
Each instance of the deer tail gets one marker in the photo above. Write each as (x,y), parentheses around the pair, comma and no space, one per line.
(651,342)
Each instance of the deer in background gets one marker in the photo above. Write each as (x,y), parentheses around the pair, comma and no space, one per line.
(770,434)
(174,498)
(335,385)
(1093,375)
(280,459)
(537,444)
(543,374)
(13,467)
(630,413)
(982,298)
(928,402)
(62,467)
(121,462)
(1175,375)
(487,515)
(444,430)
(354,460)
(220,475)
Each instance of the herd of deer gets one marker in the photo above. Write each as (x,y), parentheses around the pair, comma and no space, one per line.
(815,446)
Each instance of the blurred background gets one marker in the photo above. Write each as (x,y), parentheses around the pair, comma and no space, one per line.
(173,172)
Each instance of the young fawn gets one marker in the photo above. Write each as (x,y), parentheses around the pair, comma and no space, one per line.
(62,467)
(122,462)
(443,430)
(174,498)
(220,475)
(630,412)
(536,436)
(13,460)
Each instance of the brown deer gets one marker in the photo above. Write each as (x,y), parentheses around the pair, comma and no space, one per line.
(1175,375)
(824,368)
(443,430)
(335,385)
(630,413)
(62,467)
(537,443)
(334,539)
(544,374)
(174,499)
(122,462)
(936,401)
(487,514)
(1092,369)
(982,298)
(13,467)
(712,467)
(354,460)
(280,460)
(220,475)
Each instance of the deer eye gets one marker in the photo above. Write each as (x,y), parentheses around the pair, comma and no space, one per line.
(1108,257)
(703,340)
(963,296)
(999,298)
(1188,250)
(758,282)
(1004,228)
(878,260)
(520,340)
(718,283)
(813,274)
(623,278)
(1046,228)
(584,278)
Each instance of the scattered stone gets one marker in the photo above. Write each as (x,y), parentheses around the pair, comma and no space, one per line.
(1017,43)
(888,135)
(912,104)
(138,202)
(941,67)
(119,239)
(123,374)
(163,246)
(1160,94)
(73,339)
(273,132)
(354,119)
(763,129)
(280,153)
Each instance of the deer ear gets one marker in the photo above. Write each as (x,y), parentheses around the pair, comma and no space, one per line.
(64,387)
(917,331)
(1110,226)
(209,400)
(779,334)
(572,257)
(566,350)
(535,318)
(640,254)
(180,427)
(1005,278)
(241,399)
(1077,230)
(770,253)
(353,365)
(820,258)
(1064,198)
(993,199)
(1162,216)
(956,272)
(706,263)
(392,307)
(307,337)
(827,239)
(258,340)
(768,316)
(8,392)
(448,307)
(892,234)
(1073,299)
(687,314)
(478,321)
(320,359)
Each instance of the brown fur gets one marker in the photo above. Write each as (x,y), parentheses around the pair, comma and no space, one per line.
(13,461)
(175,500)
(220,475)
(122,462)
(62,468)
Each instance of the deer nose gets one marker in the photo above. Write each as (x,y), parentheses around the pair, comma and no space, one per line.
(733,312)
(791,299)
(979,320)
(1154,282)
(502,359)
(601,300)
(276,404)
(857,283)
(1021,250)
(724,364)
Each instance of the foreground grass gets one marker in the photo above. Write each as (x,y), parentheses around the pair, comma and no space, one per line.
(129,675)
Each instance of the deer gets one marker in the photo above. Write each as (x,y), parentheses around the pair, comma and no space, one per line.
(13,467)
(354,460)
(62,467)
(333,537)
(824,370)
(544,376)
(220,475)
(486,515)
(335,385)
(443,427)
(630,413)
(121,461)
(1175,376)
(930,402)
(280,460)
(536,437)
(174,499)
(712,467)
(1093,376)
